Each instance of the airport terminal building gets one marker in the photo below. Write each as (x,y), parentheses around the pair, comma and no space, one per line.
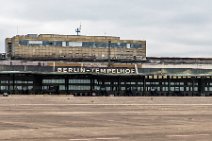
(97,66)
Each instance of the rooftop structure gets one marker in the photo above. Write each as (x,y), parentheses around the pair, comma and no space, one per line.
(71,47)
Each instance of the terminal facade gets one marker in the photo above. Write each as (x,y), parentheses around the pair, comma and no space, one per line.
(98,66)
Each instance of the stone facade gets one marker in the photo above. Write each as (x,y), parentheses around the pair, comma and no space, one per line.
(74,47)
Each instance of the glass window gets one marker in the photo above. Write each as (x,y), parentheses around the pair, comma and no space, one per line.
(128,45)
(181,89)
(108,88)
(23,42)
(75,44)
(44,88)
(172,89)
(108,83)
(35,43)
(4,81)
(206,89)
(88,44)
(77,81)
(52,81)
(136,45)
(187,89)
(79,87)
(165,89)
(4,87)
(30,87)
(101,44)
(123,45)
(123,88)
(61,87)
(46,43)
(114,45)
(58,43)
(63,44)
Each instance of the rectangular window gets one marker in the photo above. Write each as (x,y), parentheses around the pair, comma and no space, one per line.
(123,45)
(107,83)
(128,45)
(136,45)
(172,89)
(79,87)
(165,89)
(78,81)
(44,88)
(36,43)
(52,81)
(108,88)
(64,44)
(4,81)
(75,44)
(101,44)
(23,42)
(88,44)
(123,88)
(58,43)
(4,87)
(61,87)
(206,89)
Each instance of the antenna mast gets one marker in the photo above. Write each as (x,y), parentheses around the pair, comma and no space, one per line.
(78,30)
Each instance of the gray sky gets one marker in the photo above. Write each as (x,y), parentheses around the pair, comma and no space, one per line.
(173,28)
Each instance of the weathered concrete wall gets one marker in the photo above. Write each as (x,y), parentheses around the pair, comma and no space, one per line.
(97,53)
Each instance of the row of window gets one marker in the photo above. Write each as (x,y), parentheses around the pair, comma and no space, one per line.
(172,89)
(62,81)
(79,44)
(16,88)
(79,81)
(52,81)
(16,82)
(88,81)
(62,87)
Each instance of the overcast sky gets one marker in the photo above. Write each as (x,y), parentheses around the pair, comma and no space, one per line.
(172,28)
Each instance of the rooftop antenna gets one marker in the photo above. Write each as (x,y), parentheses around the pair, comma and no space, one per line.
(78,30)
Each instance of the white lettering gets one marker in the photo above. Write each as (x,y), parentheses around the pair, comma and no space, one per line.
(132,70)
(70,69)
(76,70)
(103,71)
(109,70)
(64,69)
(113,70)
(127,71)
(59,69)
(96,70)
(82,70)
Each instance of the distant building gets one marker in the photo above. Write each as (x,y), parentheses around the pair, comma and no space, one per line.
(70,47)
(97,65)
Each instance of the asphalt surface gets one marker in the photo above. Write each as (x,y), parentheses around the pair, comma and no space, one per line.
(66,118)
